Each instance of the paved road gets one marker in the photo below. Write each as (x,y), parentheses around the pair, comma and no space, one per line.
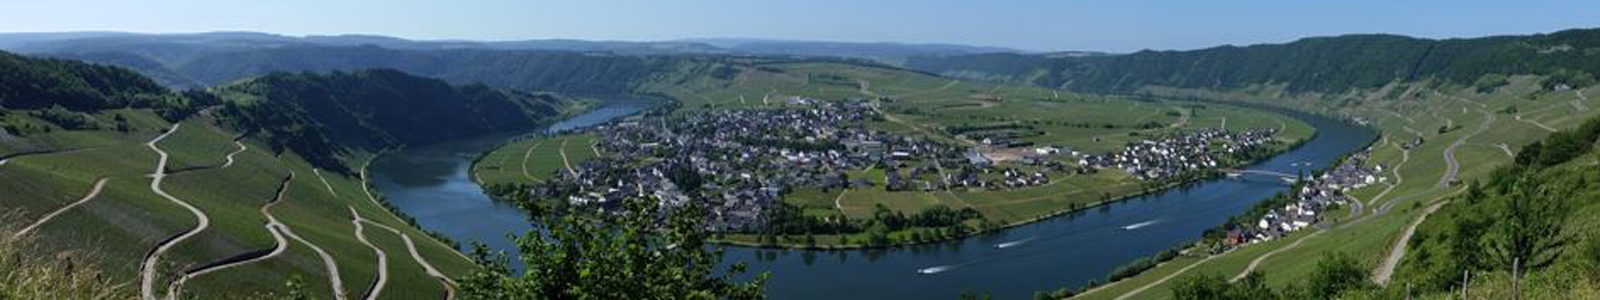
(1397,251)
(147,286)
(93,191)
(1454,166)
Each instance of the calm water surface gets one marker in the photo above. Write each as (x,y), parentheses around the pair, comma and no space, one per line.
(431,184)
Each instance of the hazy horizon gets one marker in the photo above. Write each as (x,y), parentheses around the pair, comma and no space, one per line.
(1032,25)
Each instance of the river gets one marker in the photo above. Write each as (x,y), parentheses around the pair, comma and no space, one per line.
(431,184)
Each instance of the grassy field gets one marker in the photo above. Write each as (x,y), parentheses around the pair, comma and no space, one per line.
(533,159)
(46,171)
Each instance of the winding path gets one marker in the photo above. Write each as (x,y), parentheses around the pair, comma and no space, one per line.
(837,200)
(360,233)
(1537,124)
(1453,167)
(449,284)
(1152,284)
(525,155)
(564,160)
(1578,103)
(1257,262)
(280,244)
(383,258)
(229,158)
(152,260)
(327,260)
(94,191)
(1397,251)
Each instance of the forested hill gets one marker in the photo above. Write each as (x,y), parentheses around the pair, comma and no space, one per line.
(61,90)
(322,116)
(1323,64)
(30,83)
(526,70)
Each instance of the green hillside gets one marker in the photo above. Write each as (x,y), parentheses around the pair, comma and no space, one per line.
(1321,64)
(233,191)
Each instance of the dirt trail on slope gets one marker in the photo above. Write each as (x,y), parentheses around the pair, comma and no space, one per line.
(1578,104)
(280,244)
(93,191)
(327,260)
(564,160)
(1397,251)
(525,155)
(1257,262)
(383,258)
(360,233)
(229,158)
(449,284)
(152,260)
(1141,289)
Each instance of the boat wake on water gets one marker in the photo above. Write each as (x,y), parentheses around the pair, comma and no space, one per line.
(1141,224)
(1014,243)
(936,269)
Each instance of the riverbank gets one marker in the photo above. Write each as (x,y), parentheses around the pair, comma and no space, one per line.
(831,242)
(1073,246)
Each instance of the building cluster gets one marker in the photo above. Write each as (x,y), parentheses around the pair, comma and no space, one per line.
(738,163)
(1311,201)
(1179,153)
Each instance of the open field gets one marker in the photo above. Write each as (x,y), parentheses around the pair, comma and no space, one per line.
(533,159)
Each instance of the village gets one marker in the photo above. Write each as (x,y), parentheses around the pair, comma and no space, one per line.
(1311,202)
(739,163)
(1177,154)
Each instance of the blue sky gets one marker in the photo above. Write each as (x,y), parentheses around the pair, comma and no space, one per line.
(1102,25)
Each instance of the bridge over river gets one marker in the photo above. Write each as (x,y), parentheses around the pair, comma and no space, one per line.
(1288,178)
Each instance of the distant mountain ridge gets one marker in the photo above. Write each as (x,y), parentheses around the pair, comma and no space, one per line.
(180,45)
(1317,64)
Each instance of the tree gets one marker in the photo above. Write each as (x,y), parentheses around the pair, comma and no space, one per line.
(1529,226)
(1336,273)
(1214,287)
(642,253)
(1201,287)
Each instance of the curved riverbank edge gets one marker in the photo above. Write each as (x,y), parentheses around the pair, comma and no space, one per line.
(1003,227)
(1180,247)
(1281,111)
